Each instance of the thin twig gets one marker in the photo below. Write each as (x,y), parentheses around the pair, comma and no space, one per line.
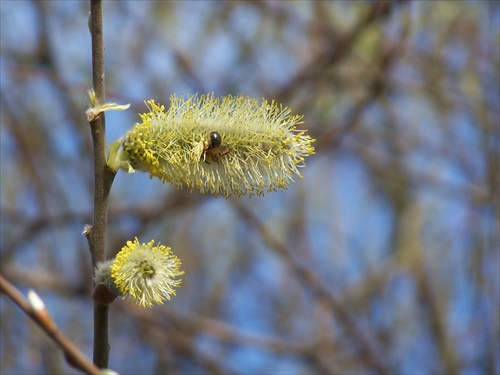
(366,348)
(103,179)
(42,317)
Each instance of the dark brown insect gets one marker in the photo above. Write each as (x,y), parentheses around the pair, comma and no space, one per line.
(214,149)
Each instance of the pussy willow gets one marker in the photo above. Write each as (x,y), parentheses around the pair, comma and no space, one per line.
(234,145)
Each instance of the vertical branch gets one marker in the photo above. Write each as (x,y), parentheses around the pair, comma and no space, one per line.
(103,179)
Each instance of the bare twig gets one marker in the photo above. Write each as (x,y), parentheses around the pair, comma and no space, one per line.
(42,317)
(103,179)
(366,348)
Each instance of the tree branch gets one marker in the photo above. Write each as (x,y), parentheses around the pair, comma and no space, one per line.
(103,179)
(42,317)
(367,351)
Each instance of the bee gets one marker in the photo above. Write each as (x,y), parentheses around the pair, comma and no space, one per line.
(214,148)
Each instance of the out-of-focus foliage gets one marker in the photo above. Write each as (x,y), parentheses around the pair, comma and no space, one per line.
(384,258)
